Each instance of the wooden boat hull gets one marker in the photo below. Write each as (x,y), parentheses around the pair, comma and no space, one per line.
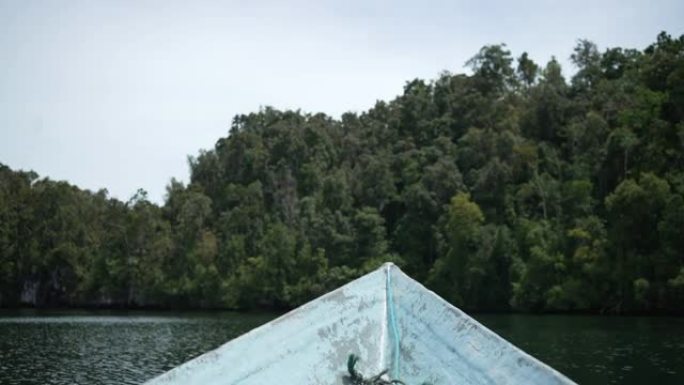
(387,319)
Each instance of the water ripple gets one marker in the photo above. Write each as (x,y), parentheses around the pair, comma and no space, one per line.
(109,349)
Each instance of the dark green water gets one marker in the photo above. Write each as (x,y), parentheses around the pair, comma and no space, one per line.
(600,350)
(129,348)
(40,348)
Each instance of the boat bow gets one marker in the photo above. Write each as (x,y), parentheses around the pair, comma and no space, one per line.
(389,320)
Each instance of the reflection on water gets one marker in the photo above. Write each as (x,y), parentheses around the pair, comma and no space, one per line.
(129,348)
(108,348)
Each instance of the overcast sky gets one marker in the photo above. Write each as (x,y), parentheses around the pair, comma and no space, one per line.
(117,94)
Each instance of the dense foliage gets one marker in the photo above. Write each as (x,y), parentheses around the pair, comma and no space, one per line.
(506,188)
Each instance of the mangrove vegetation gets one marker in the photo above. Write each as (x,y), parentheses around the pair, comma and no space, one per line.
(506,188)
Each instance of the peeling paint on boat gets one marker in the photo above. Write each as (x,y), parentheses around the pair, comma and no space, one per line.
(385,317)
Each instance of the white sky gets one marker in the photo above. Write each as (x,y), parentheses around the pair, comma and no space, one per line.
(117,94)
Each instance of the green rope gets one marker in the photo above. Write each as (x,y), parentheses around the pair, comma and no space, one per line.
(358,379)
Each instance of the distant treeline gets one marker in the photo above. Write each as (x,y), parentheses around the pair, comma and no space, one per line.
(510,188)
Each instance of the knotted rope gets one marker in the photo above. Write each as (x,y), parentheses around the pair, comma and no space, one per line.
(358,378)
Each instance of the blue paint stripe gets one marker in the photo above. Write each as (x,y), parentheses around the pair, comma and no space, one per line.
(393,327)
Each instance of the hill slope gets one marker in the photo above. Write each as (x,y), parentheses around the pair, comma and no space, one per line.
(507,188)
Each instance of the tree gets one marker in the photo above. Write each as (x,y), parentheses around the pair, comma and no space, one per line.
(457,273)
(492,69)
(527,70)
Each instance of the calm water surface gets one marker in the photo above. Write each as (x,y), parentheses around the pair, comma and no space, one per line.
(128,348)
(104,347)
(600,350)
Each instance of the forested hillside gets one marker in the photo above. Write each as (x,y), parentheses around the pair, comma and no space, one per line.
(509,188)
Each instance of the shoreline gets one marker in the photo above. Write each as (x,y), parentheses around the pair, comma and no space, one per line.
(266,310)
